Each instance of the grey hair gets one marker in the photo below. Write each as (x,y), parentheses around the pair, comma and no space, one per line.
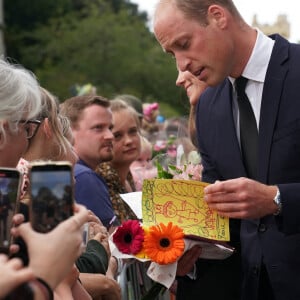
(20,96)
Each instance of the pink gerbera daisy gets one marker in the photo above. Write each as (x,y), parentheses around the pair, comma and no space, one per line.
(129,237)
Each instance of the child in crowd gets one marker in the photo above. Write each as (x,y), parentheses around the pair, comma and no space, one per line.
(142,168)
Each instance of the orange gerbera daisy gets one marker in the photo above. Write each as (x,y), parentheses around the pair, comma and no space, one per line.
(164,244)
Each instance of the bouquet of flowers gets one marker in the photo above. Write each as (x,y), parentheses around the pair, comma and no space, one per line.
(173,211)
(161,243)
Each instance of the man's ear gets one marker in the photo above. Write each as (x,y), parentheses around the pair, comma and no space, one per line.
(218,15)
(47,128)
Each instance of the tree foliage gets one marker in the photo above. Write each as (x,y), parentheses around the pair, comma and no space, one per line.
(103,42)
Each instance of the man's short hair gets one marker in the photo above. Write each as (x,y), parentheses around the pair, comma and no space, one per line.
(73,107)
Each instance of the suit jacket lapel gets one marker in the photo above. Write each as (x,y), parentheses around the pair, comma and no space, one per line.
(270,104)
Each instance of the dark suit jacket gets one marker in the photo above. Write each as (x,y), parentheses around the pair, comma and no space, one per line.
(273,240)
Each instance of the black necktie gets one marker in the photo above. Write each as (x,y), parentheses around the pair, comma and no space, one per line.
(248,128)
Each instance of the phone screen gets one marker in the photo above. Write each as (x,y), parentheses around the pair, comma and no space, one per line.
(9,199)
(51,188)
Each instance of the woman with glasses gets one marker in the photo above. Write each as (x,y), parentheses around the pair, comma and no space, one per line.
(20,102)
(53,141)
(48,141)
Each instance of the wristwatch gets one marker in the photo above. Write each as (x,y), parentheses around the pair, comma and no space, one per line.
(277,201)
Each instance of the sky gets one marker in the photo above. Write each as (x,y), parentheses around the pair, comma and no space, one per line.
(265,10)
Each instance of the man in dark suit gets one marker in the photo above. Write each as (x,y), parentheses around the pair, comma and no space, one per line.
(211,40)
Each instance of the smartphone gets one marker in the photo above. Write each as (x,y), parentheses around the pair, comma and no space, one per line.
(10,183)
(85,235)
(51,194)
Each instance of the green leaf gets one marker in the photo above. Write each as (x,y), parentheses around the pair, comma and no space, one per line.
(173,168)
(167,175)
(161,173)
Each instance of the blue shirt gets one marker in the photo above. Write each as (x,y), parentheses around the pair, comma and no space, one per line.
(92,191)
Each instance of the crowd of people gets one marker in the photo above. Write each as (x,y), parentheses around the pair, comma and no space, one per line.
(21,102)
(101,138)
(112,144)
(104,140)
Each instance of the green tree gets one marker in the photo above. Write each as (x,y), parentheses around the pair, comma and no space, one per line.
(106,43)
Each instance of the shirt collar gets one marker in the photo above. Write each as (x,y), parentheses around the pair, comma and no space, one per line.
(257,65)
(256,68)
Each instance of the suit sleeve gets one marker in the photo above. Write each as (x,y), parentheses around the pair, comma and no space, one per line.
(288,221)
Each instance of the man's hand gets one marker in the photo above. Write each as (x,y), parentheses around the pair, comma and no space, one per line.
(241,198)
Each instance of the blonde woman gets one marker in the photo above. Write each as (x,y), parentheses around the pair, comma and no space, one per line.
(126,149)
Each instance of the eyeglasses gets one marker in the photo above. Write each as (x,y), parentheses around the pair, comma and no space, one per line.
(31,127)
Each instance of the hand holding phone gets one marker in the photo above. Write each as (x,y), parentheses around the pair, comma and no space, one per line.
(51,193)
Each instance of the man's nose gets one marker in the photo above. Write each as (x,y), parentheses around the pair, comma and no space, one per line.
(180,79)
(183,63)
